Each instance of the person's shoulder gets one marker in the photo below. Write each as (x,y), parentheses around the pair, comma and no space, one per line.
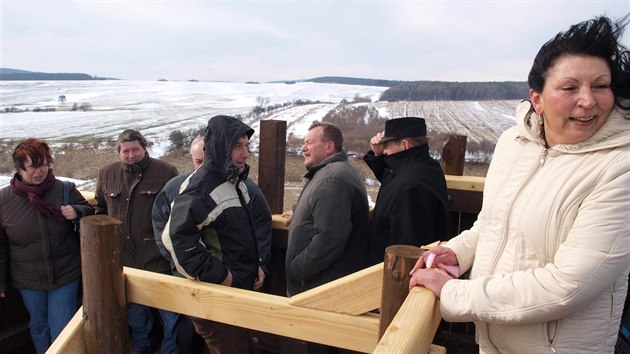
(204,180)
(511,133)
(340,171)
(59,183)
(176,181)
(161,163)
(251,185)
(111,166)
(5,193)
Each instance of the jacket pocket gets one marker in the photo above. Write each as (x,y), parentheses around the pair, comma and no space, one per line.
(551,331)
(112,192)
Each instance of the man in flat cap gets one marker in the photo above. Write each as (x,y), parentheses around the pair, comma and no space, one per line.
(412,203)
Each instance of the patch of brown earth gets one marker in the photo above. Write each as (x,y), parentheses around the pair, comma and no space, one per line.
(84,162)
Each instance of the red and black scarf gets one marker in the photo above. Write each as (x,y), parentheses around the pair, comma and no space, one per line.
(34,195)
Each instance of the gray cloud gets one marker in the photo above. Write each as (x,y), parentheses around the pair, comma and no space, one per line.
(278,40)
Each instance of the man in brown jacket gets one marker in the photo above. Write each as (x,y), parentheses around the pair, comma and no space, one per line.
(126,190)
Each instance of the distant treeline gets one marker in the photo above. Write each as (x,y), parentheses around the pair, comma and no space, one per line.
(437,90)
(46,76)
(8,74)
(354,81)
(456,91)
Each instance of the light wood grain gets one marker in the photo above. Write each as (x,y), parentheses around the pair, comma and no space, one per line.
(414,326)
(70,340)
(250,309)
(354,294)
(465,183)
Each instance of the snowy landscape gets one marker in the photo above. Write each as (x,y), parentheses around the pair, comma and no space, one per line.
(157,108)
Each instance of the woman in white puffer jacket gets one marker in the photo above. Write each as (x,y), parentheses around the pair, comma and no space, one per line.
(550,252)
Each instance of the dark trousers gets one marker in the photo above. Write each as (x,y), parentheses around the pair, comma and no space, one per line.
(188,340)
(222,338)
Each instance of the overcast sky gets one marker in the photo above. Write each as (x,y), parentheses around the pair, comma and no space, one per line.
(288,40)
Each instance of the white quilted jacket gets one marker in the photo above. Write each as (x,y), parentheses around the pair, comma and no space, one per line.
(550,251)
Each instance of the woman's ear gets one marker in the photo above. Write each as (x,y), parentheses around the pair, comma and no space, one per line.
(536,99)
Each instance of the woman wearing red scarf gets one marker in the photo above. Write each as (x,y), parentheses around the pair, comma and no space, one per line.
(39,242)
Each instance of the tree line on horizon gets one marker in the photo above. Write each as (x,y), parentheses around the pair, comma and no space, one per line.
(397,91)
(456,91)
(437,90)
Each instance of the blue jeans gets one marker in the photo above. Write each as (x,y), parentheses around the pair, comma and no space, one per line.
(50,312)
(140,319)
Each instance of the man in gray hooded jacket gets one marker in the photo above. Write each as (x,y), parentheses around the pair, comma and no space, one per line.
(216,197)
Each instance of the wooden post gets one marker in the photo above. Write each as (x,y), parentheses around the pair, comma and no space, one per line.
(399,260)
(453,154)
(104,303)
(271,162)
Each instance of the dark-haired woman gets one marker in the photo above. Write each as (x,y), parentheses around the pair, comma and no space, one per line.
(39,243)
(550,252)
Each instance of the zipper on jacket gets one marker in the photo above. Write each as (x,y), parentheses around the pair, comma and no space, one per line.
(543,158)
(551,337)
(536,167)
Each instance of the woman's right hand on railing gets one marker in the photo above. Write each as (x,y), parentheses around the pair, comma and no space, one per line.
(431,278)
(441,266)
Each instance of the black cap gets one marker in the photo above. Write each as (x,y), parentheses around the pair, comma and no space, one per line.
(406,127)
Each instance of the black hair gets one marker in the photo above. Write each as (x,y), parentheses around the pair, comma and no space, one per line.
(600,38)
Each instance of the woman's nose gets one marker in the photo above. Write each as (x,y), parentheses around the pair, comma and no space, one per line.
(586,98)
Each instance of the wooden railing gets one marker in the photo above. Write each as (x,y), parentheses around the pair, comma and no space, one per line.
(335,314)
(338,313)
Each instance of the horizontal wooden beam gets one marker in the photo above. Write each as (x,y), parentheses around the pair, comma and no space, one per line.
(277,222)
(250,309)
(460,183)
(354,294)
(465,183)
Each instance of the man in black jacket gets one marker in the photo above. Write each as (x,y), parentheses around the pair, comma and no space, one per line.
(217,198)
(188,341)
(412,202)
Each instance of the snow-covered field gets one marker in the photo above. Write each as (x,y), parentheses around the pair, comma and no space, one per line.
(153,107)
(158,108)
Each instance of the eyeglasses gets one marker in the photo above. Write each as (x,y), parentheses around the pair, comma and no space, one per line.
(43,167)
